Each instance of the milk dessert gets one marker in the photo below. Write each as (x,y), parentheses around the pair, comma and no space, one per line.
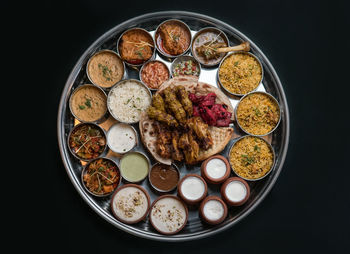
(192,188)
(168,214)
(235,191)
(130,203)
(216,169)
(213,210)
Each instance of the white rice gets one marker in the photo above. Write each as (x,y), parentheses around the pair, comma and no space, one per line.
(127,100)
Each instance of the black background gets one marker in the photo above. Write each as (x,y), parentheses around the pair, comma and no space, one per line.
(306,211)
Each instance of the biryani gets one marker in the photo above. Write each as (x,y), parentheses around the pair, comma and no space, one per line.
(258,114)
(240,73)
(251,158)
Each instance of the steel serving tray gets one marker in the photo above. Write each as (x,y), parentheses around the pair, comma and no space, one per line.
(194,229)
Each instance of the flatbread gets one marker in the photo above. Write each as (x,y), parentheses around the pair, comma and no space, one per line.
(221,135)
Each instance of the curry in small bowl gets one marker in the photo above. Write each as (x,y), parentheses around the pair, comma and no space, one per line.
(173,38)
(136,46)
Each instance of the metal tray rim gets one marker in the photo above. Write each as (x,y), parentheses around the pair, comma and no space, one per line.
(137,232)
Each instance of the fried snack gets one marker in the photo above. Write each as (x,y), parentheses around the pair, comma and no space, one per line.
(161,116)
(158,102)
(185,101)
(201,130)
(174,105)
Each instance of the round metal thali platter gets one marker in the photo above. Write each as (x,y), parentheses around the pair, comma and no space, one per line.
(194,229)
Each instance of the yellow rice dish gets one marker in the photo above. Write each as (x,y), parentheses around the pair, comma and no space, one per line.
(251,158)
(240,73)
(258,114)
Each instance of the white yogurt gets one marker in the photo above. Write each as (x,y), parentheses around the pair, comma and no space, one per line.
(121,138)
(213,210)
(192,188)
(216,168)
(236,191)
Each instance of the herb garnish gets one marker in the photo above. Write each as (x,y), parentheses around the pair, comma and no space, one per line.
(81,106)
(88,103)
(107,73)
(257,148)
(248,160)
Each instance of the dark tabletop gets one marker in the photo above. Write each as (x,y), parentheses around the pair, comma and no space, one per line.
(308,208)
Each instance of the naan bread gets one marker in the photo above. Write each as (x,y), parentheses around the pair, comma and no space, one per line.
(221,135)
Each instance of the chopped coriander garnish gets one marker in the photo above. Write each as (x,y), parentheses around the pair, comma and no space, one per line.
(81,107)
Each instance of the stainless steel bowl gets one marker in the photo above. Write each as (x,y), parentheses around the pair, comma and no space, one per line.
(87,189)
(136,138)
(99,52)
(135,152)
(144,65)
(157,189)
(168,56)
(102,118)
(78,126)
(269,145)
(118,84)
(153,50)
(204,30)
(240,52)
(272,98)
(184,58)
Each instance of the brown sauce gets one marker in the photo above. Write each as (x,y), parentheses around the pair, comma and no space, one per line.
(164,177)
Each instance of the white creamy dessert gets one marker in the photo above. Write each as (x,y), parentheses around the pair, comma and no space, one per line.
(213,210)
(130,204)
(121,138)
(168,215)
(236,191)
(216,168)
(192,188)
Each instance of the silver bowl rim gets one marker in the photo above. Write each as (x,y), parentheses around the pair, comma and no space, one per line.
(153,50)
(150,61)
(70,103)
(77,126)
(129,125)
(117,84)
(179,59)
(99,52)
(240,52)
(165,54)
(271,148)
(68,165)
(201,31)
(270,96)
(86,188)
